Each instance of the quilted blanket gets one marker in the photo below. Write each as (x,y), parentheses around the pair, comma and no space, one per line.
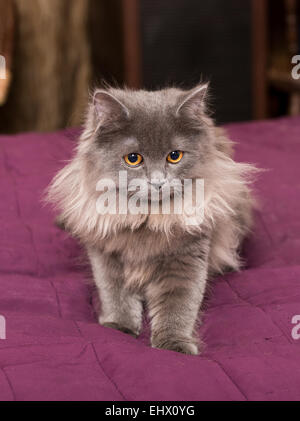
(52,348)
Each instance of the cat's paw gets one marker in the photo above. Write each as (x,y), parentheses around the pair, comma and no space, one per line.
(185,347)
(123,329)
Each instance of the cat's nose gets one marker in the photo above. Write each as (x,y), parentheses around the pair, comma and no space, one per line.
(157,184)
(157,179)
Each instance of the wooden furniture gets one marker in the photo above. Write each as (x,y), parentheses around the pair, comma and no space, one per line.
(132,43)
(175,42)
(275,28)
(259,58)
(275,40)
(7,23)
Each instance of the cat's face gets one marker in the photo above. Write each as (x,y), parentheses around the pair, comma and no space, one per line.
(159,137)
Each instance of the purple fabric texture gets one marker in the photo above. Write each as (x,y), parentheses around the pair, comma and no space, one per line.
(54,348)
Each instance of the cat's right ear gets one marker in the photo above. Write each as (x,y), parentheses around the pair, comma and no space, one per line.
(108,110)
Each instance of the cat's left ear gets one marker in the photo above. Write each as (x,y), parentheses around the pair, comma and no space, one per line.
(192,103)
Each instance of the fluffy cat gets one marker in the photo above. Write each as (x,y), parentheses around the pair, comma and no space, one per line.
(156,259)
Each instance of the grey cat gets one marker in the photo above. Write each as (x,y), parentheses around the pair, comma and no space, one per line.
(156,259)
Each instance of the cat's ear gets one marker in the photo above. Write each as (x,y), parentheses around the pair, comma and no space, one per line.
(107,108)
(192,103)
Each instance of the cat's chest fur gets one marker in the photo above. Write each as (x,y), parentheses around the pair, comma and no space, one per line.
(141,244)
(142,252)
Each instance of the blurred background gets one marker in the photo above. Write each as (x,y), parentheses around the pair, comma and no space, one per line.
(57,50)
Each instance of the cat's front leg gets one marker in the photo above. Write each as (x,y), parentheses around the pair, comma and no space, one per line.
(174,301)
(120,308)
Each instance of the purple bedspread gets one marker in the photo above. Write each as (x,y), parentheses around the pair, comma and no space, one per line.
(54,348)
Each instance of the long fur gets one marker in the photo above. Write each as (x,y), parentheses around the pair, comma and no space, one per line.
(160,258)
(228,204)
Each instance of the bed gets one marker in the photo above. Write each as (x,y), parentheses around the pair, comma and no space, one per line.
(54,348)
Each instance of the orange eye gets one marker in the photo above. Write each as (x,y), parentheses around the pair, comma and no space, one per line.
(175,157)
(133,159)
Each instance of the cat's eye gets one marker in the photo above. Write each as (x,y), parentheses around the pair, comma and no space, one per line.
(175,157)
(133,159)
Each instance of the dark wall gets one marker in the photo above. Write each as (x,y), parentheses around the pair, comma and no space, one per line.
(106,41)
(184,41)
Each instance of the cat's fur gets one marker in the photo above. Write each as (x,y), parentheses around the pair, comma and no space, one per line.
(156,259)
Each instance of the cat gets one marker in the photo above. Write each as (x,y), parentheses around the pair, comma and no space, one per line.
(157,259)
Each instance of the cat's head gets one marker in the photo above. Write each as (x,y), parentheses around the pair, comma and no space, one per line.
(160,137)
